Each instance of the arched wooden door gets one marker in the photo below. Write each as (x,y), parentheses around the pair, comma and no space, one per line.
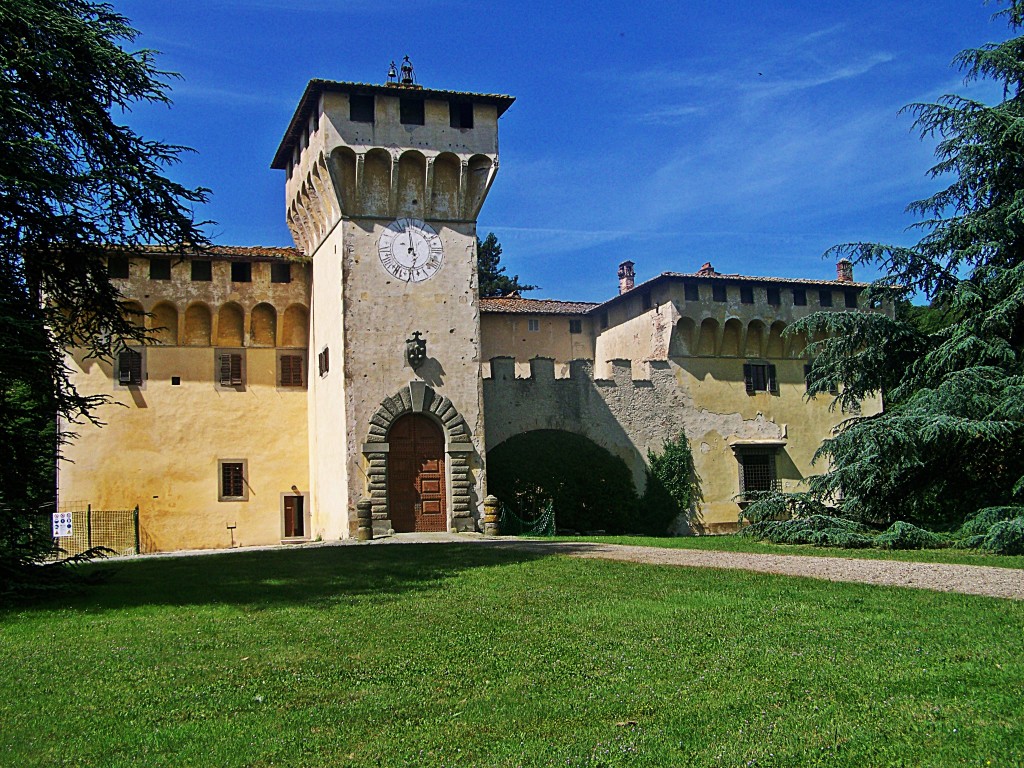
(416,483)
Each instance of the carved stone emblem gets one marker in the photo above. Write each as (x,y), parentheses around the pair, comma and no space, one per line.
(416,350)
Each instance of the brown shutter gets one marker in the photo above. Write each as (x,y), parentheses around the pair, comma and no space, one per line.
(236,370)
(773,381)
(225,372)
(748,377)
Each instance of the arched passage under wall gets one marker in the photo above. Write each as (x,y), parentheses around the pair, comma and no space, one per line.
(564,474)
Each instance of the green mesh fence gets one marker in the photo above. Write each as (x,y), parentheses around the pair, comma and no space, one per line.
(542,525)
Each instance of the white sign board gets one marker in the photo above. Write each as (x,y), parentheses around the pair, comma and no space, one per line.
(61,525)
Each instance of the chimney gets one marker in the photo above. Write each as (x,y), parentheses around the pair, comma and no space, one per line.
(626,275)
(706,269)
(844,271)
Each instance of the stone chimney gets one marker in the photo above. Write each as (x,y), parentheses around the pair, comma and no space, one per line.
(844,271)
(626,276)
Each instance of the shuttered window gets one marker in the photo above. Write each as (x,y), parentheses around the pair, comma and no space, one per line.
(760,377)
(129,367)
(230,369)
(291,370)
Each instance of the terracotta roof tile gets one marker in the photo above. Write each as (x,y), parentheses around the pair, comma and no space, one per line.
(233,252)
(535,306)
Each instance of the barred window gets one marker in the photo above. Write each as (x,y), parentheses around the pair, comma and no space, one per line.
(757,470)
(234,485)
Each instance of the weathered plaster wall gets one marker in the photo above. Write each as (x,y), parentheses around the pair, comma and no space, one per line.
(642,406)
(381,312)
(509,335)
(160,450)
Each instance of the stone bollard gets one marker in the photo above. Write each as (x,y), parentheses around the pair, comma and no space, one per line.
(364,531)
(491,516)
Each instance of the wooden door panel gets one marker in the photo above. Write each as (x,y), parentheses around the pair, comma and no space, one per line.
(416,487)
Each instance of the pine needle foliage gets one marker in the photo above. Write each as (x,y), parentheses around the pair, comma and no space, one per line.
(490,274)
(74,184)
(951,439)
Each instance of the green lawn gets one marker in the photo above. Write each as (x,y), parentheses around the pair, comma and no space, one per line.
(733,543)
(466,655)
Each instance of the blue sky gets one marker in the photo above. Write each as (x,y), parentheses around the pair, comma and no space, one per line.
(750,134)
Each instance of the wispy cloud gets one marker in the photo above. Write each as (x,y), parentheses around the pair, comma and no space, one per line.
(669,114)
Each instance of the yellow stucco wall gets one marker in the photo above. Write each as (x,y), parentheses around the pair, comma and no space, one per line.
(509,335)
(161,449)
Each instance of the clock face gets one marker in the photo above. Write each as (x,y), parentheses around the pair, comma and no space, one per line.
(410,250)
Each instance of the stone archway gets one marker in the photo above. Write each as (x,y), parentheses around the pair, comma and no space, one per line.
(418,398)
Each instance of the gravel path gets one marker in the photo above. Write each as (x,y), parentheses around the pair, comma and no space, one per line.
(966,579)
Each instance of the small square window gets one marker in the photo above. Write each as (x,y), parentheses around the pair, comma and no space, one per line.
(691,291)
(360,108)
(533,324)
(241,272)
(280,272)
(825,298)
(850,297)
(290,371)
(202,271)
(234,483)
(575,326)
(774,296)
(230,369)
(746,294)
(129,368)
(410,111)
(799,297)
(718,292)
(460,114)
(159,269)
(117,266)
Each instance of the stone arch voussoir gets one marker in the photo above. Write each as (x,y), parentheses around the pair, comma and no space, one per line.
(418,397)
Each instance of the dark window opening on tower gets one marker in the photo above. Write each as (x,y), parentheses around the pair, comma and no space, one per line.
(774,296)
(691,291)
(410,111)
(799,297)
(360,108)
(460,114)
(718,292)
(746,294)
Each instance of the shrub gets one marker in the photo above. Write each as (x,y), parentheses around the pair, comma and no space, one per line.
(902,535)
(775,505)
(816,530)
(981,521)
(1005,537)
(672,487)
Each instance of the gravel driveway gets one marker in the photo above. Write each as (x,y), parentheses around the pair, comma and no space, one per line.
(966,579)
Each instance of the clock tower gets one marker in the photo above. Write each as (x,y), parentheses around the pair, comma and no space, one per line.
(384,186)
